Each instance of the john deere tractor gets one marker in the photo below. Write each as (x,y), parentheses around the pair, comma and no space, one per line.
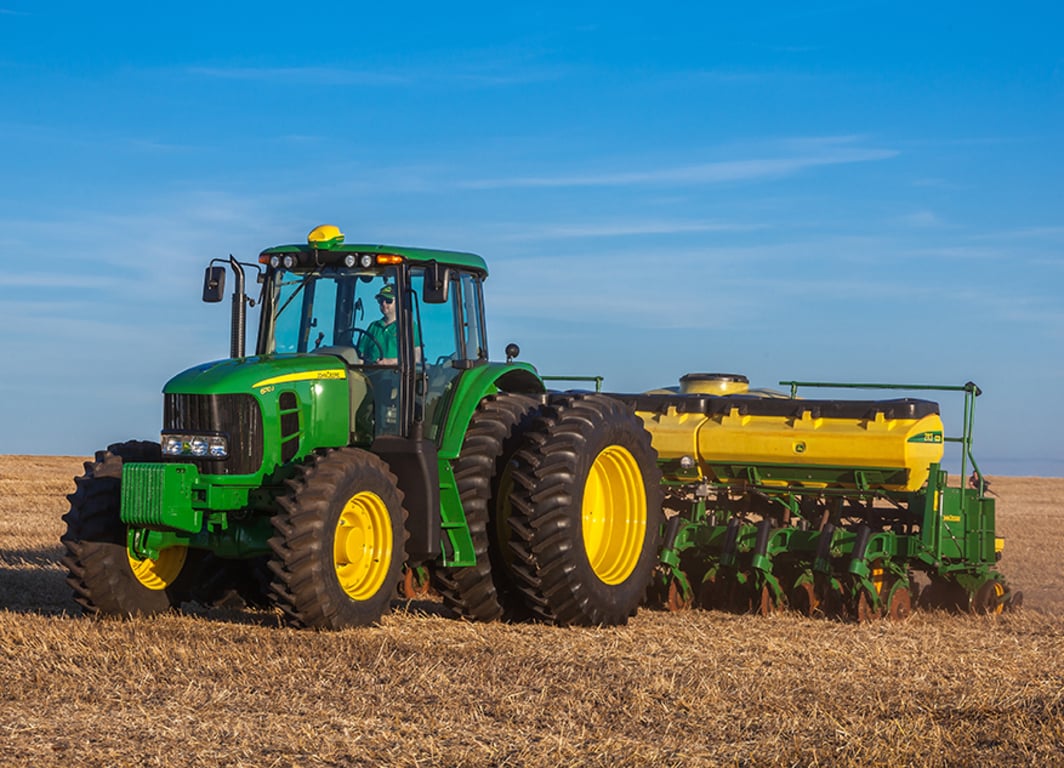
(369,436)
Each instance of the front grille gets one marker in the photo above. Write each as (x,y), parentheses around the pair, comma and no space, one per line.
(238,417)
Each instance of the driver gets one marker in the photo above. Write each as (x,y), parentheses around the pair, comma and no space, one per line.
(382,345)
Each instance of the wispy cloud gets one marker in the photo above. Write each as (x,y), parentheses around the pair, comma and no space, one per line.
(1024,233)
(934,183)
(805,155)
(474,74)
(53,281)
(920,219)
(625,229)
(303,75)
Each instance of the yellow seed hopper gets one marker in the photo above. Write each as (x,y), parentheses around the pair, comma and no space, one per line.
(715,427)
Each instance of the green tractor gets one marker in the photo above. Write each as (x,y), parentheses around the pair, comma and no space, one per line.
(369,438)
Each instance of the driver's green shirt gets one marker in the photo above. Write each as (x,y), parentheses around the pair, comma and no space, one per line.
(387,341)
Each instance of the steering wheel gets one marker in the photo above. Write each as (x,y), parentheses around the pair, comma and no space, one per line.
(358,340)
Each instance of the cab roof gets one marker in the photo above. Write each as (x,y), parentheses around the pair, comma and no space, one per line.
(325,245)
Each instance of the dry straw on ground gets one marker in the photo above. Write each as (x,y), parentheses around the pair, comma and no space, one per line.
(231,687)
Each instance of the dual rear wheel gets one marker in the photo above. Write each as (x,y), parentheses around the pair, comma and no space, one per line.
(586,512)
(564,509)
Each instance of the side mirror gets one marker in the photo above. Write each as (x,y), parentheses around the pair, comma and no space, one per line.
(214,284)
(437,281)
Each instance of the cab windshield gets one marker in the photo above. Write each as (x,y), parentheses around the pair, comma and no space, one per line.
(342,310)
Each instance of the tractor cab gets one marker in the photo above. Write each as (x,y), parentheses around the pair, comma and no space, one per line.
(404,323)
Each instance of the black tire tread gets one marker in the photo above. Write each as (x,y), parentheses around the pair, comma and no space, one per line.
(485,591)
(550,563)
(95,539)
(304,587)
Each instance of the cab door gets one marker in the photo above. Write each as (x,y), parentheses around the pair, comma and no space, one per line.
(452,340)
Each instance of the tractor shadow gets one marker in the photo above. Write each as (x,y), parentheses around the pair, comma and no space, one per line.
(231,609)
(34,581)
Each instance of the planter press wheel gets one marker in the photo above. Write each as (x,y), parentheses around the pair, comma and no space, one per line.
(416,583)
(989,599)
(767,604)
(864,608)
(900,603)
(709,593)
(676,600)
(805,600)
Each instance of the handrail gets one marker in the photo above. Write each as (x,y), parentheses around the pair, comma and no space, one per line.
(597,379)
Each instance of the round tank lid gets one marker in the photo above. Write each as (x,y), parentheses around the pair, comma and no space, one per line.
(713,384)
(697,377)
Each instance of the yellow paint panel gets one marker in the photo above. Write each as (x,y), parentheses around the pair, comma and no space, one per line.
(766,440)
(288,378)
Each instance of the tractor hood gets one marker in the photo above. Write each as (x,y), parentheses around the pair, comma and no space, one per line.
(256,375)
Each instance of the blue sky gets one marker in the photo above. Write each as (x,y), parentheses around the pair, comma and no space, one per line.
(832,191)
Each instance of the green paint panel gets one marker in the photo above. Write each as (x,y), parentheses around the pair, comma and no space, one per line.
(160,495)
(472,387)
(953,526)
(319,384)
(252,375)
(454,523)
(338,251)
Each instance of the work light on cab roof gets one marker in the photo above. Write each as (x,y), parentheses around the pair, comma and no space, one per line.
(325,245)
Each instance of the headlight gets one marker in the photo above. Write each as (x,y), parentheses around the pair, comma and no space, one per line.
(196,446)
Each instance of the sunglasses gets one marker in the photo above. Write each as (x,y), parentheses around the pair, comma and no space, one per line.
(383,300)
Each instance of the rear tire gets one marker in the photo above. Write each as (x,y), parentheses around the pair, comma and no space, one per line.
(340,541)
(587,512)
(486,591)
(105,579)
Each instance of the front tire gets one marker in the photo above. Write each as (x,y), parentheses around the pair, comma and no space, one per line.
(107,581)
(340,541)
(587,512)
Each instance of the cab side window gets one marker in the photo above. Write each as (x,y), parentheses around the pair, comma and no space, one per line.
(444,337)
(476,346)
(439,329)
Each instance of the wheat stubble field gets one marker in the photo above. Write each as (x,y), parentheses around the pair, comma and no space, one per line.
(229,687)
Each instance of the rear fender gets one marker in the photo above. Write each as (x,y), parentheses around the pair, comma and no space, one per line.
(472,387)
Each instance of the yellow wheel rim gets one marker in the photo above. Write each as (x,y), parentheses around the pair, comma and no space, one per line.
(160,573)
(614,515)
(362,546)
